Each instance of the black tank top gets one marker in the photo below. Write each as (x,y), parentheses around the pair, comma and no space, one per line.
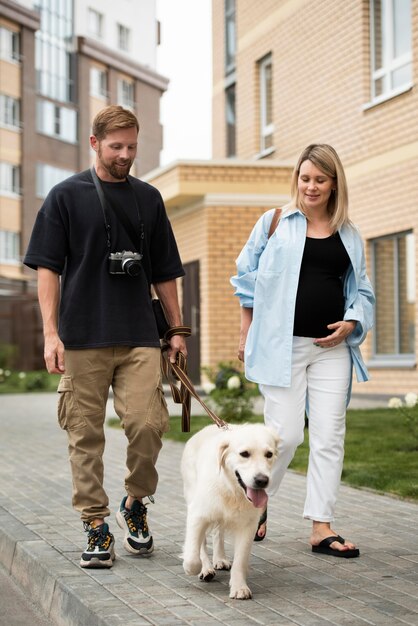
(320,299)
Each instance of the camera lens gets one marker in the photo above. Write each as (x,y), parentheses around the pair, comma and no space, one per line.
(132,267)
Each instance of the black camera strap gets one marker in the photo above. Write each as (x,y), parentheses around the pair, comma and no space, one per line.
(137,238)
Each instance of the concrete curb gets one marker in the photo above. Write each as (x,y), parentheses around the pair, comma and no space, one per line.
(56,585)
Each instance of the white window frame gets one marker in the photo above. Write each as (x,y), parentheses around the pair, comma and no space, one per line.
(230,36)
(395,359)
(56,121)
(98,83)
(126,93)
(266,127)
(9,247)
(390,63)
(9,112)
(124,38)
(47,176)
(9,179)
(95,21)
(9,45)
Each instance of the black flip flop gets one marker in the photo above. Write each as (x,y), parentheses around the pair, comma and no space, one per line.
(324,548)
(261,521)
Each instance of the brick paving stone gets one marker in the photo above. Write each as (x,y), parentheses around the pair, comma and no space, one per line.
(41,539)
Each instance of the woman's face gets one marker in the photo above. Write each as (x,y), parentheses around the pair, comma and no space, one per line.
(314,187)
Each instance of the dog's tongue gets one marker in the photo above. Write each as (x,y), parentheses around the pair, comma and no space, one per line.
(258,497)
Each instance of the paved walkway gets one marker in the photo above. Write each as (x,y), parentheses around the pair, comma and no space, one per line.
(41,539)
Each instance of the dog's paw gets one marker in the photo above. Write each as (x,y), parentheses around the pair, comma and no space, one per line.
(192,568)
(243,593)
(224,564)
(207,575)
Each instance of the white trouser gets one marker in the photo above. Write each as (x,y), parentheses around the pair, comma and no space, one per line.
(321,375)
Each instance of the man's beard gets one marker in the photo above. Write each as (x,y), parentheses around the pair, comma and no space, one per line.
(119,172)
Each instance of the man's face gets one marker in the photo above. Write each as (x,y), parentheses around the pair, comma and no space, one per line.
(115,154)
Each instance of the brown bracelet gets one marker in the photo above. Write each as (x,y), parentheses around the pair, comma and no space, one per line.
(186,331)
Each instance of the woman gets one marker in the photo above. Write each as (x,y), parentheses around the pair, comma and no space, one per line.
(306,306)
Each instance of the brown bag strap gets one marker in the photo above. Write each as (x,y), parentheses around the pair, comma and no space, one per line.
(177,372)
(274,222)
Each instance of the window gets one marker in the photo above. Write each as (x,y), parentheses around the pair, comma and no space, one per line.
(9,111)
(55,57)
(266,105)
(230,121)
(230,40)
(391,47)
(98,83)
(9,44)
(56,121)
(9,178)
(9,247)
(124,36)
(126,94)
(394,283)
(47,176)
(95,23)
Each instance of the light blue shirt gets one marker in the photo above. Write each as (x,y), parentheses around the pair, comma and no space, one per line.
(267,281)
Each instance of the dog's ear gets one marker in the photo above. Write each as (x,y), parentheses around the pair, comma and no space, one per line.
(223,452)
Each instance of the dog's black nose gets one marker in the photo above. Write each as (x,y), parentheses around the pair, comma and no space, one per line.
(261,481)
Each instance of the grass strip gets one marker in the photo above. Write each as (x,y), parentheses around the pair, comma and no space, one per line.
(380,451)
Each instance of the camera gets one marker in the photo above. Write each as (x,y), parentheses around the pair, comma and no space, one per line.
(125,262)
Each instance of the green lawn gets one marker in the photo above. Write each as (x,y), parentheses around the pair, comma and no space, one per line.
(380,452)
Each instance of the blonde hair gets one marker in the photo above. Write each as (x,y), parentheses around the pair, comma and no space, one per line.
(113,118)
(325,158)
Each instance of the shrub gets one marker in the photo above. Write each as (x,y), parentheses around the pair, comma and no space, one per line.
(230,393)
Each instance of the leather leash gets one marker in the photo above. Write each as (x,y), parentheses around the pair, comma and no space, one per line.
(177,373)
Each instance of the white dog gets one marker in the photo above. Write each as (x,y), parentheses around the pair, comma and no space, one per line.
(225,474)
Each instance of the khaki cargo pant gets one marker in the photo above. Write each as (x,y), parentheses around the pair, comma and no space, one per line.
(135,377)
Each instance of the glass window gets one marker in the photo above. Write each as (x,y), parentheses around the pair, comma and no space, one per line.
(230,37)
(126,96)
(230,121)
(54,54)
(124,36)
(95,23)
(47,176)
(9,246)
(266,104)
(56,121)
(9,44)
(391,46)
(9,178)
(394,283)
(98,82)
(9,111)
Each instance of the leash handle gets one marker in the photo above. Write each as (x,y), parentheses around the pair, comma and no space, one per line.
(182,395)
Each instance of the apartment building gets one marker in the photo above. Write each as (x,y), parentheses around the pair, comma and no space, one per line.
(60,62)
(287,73)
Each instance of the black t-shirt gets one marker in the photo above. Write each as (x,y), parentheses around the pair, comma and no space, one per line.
(98,309)
(320,299)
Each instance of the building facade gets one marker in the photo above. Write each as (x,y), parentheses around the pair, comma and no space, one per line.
(287,73)
(60,63)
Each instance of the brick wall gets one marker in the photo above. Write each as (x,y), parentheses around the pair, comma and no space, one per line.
(321,93)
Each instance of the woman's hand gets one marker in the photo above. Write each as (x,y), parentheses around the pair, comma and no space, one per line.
(342,330)
(241,348)
(246,319)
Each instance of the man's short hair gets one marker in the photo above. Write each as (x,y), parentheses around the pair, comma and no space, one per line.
(113,118)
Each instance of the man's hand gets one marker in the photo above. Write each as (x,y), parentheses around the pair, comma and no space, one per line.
(54,354)
(177,344)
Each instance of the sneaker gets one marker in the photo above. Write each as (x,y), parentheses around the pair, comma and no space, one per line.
(100,551)
(138,539)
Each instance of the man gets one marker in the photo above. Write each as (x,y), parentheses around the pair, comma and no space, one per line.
(94,279)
